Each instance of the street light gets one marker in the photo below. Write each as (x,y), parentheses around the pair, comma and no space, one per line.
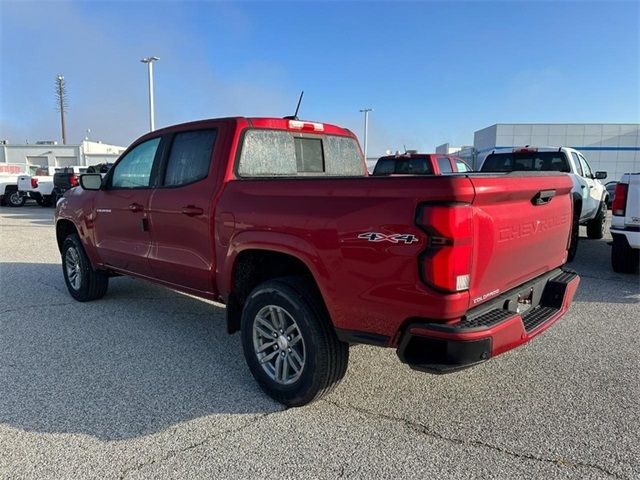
(149,61)
(366,128)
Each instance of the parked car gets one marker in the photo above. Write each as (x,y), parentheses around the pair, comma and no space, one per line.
(40,187)
(419,164)
(278,219)
(625,224)
(611,193)
(589,195)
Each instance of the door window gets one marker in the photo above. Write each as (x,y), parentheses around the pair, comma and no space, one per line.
(576,160)
(190,157)
(461,166)
(134,170)
(585,167)
(445,165)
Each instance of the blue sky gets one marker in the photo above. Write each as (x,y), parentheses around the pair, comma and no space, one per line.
(433,71)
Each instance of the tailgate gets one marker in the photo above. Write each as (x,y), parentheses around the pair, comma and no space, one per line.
(521,224)
(24,183)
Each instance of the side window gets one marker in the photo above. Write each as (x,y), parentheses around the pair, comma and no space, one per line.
(576,160)
(190,157)
(585,167)
(445,165)
(461,166)
(134,170)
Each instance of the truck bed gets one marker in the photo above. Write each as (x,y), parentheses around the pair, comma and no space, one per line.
(377,283)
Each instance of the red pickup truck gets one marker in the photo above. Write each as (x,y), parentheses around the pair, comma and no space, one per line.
(278,219)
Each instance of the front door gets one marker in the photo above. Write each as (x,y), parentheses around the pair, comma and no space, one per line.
(180,212)
(121,225)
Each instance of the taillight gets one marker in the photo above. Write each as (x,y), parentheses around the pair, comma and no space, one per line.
(446,263)
(73,180)
(34,182)
(619,205)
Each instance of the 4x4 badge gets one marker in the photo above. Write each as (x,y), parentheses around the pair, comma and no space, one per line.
(393,238)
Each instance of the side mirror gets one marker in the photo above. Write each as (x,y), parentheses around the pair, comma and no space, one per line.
(601,175)
(91,181)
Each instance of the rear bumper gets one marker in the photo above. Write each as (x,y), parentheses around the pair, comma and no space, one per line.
(631,235)
(491,329)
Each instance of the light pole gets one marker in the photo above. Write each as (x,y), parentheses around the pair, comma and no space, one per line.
(366,128)
(149,61)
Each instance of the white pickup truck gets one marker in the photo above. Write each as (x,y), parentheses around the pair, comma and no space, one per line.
(625,224)
(589,194)
(40,187)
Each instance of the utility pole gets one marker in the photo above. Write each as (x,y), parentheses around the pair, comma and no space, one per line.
(366,128)
(149,61)
(61,96)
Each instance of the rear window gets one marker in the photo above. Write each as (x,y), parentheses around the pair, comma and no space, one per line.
(526,161)
(403,166)
(275,153)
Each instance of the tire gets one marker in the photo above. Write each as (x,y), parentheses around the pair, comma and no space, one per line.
(14,198)
(575,235)
(47,201)
(624,259)
(320,357)
(83,282)
(595,227)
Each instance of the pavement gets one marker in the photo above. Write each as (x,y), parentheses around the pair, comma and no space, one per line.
(146,383)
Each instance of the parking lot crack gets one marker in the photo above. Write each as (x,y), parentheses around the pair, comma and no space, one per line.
(173,453)
(425,430)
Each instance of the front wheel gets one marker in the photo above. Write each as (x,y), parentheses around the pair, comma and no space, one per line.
(289,343)
(83,282)
(595,227)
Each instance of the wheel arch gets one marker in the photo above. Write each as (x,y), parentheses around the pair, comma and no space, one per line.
(64,228)
(255,265)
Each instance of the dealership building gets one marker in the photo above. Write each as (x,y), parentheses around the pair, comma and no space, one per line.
(50,154)
(612,147)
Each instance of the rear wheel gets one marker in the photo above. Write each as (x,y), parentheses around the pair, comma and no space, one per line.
(624,259)
(595,227)
(289,343)
(47,201)
(14,198)
(83,282)
(575,235)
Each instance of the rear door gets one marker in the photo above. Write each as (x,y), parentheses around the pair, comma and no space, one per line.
(180,212)
(121,225)
(521,229)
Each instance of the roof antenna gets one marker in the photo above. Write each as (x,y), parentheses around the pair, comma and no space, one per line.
(405,148)
(295,115)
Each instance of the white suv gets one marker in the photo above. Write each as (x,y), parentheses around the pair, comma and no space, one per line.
(625,224)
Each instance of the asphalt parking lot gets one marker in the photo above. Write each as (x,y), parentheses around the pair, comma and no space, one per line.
(146,383)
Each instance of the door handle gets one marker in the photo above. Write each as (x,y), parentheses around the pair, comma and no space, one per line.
(192,211)
(543,197)
(136,207)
